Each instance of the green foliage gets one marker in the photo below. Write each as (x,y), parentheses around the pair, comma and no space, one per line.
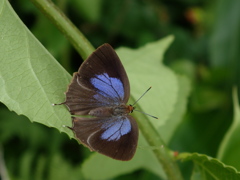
(209,168)
(31,80)
(25,70)
(230,147)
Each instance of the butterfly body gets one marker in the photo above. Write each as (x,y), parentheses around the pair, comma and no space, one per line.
(120,110)
(101,89)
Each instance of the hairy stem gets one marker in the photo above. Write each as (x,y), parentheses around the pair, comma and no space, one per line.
(57,17)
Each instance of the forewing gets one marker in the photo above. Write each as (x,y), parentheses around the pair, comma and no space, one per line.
(115,137)
(100,81)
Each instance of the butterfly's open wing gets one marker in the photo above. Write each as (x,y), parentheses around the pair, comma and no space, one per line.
(100,81)
(115,137)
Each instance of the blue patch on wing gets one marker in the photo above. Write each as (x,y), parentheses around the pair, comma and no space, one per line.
(108,86)
(116,129)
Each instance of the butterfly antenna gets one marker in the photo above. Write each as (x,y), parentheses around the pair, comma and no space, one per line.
(142,95)
(146,114)
(139,99)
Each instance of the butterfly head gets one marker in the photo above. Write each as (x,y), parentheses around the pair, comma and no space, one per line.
(131,108)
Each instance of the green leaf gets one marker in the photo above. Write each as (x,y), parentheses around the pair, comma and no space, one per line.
(230,146)
(207,168)
(30,79)
(172,123)
(145,68)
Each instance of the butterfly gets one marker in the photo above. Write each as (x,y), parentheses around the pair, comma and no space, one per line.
(97,97)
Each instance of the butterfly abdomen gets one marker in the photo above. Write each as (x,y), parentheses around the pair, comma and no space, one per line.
(119,110)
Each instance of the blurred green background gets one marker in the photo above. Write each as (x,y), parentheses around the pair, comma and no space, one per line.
(206,50)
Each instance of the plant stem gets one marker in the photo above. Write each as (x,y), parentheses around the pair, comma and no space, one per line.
(57,17)
(84,48)
(163,154)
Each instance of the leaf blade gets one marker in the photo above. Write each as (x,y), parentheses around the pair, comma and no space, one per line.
(209,168)
(30,78)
